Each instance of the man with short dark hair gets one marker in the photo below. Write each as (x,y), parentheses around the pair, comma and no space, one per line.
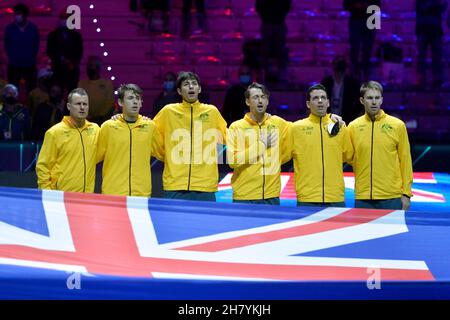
(319,148)
(126,145)
(382,160)
(190,131)
(68,156)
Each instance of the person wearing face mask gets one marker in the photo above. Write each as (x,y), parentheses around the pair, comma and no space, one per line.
(382,160)
(234,106)
(125,146)
(14,117)
(100,90)
(343,91)
(65,49)
(48,113)
(21,40)
(168,95)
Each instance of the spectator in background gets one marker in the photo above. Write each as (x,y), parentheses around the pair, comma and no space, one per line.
(65,49)
(169,93)
(273,33)
(14,117)
(361,37)
(22,46)
(150,6)
(234,106)
(48,113)
(201,16)
(39,94)
(100,92)
(343,91)
(429,32)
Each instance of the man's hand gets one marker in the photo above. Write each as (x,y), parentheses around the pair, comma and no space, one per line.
(269,139)
(406,202)
(337,118)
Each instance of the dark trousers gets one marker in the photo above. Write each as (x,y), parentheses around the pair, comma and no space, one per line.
(395,204)
(320,204)
(190,195)
(67,77)
(361,44)
(435,43)
(271,201)
(29,74)
(273,38)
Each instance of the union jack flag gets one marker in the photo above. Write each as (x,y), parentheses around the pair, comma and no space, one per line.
(159,238)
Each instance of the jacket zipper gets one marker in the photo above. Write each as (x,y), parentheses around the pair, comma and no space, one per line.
(190,162)
(323,163)
(371,163)
(129,169)
(263,167)
(84,161)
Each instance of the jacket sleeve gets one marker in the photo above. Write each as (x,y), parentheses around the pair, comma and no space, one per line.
(237,154)
(157,143)
(222,127)
(351,138)
(286,145)
(347,146)
(46,161)
(102,142)
(404,155)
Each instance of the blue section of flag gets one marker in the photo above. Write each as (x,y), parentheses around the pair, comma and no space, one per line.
(23,208)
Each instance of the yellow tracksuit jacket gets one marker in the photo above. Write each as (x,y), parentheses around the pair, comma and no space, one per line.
(67,158)
(382,160)
(125,149)
(256,169)
(318,159)
(190,134)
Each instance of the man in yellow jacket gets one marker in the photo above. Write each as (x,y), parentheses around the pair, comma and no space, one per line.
(382,160)
(256,148)
(67,158)
(126,145)
(319,148)
(191,131)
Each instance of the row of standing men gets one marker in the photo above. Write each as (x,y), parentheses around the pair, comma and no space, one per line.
(185,137)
